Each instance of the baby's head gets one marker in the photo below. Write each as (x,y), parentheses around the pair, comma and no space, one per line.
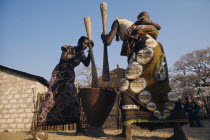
(143,15)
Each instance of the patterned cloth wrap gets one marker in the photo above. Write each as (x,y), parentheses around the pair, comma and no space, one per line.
(134,33)
(155,72)
(61,105)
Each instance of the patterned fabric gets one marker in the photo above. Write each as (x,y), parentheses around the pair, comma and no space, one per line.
(142,117)
(134,36)
(61,105)
(161,70)
(135,31)
(124,25)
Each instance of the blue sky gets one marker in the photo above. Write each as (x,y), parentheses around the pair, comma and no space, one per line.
(32,31)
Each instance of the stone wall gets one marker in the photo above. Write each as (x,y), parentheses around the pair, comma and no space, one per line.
(17,94)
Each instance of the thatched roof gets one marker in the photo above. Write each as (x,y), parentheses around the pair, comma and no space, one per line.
(115,76)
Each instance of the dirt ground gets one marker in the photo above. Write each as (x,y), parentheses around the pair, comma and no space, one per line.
(201,133)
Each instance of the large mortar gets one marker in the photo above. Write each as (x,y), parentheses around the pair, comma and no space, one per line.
(97,104)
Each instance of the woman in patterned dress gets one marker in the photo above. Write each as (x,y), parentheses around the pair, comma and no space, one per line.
(157,84)
(62,105)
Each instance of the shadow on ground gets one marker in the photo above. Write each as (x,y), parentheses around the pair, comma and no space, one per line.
(64,133)
(148,138)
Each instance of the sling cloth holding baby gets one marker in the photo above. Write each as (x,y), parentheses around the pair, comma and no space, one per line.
(134,33)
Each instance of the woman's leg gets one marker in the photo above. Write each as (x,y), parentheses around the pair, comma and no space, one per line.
(178,133)
(79,126)
(128,134)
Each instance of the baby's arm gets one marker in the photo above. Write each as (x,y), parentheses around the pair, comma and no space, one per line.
(147,21)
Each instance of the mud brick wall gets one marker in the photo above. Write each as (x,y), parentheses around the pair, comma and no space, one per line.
(17,94)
